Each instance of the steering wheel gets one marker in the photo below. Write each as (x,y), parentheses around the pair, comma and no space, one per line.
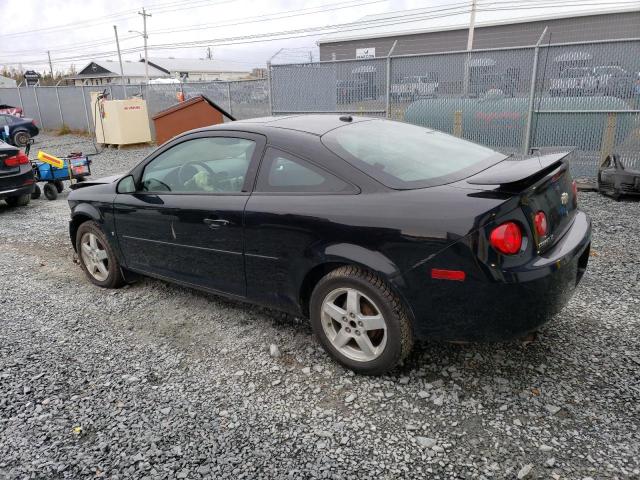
(182,171)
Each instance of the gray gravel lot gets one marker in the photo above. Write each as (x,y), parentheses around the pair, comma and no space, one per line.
(159,381)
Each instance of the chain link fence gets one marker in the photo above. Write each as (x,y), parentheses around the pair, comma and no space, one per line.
(583,97)
(53,107)
(580,96)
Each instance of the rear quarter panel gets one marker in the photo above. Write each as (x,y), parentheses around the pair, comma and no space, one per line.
(394,233)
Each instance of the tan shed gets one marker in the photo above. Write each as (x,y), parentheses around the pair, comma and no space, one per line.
(196,112)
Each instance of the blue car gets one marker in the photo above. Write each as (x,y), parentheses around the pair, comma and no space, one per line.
(16,130)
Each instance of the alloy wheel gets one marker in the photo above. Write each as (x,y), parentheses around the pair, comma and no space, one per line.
(94,256)
(354,324)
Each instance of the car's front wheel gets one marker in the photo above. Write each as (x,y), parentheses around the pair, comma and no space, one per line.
(97,258)
(360,321)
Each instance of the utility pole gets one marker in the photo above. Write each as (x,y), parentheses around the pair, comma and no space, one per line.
(50,64)
(145,36)
(209,54)
(472,27)
(115,29)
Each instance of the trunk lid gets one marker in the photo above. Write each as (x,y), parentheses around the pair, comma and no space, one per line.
(7,151)
(544,184)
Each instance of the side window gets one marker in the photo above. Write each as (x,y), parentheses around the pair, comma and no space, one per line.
(211,164)
(286,173)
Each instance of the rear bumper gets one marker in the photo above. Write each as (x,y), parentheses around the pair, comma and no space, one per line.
(19,184)
(513,302)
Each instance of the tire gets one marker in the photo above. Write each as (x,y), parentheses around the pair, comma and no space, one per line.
(388,347)
(50,191)
(59,185)
(19,200)
(36,192)
(21,138)
(111,276)
(79,178)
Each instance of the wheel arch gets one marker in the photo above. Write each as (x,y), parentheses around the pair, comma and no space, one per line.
(340,255)
(81,214)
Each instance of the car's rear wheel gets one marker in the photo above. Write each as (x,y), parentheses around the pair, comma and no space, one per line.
(21,138)
(360,321)
(97,257)
(18,201)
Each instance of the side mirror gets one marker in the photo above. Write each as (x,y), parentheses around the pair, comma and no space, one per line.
(126,185)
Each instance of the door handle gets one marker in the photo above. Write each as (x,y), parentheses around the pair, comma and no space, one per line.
(216,222)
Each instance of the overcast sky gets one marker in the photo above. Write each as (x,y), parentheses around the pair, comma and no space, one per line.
(73,28)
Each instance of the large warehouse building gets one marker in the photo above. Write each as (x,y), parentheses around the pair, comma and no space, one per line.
(431,33)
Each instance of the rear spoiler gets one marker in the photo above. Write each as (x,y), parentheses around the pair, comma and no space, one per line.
(512,171)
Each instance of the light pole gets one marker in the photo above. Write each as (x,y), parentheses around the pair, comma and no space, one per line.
(115,29)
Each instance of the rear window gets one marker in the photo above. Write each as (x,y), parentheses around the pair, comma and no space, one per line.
(404,156)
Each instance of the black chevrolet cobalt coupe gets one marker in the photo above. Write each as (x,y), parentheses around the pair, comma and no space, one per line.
(380,232)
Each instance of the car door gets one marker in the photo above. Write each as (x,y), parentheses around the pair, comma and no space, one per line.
(184,221)
(285,217)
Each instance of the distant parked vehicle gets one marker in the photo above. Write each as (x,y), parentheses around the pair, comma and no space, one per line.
(412,88)
(17,131)
(10,110)
(349,91)
(616,180)
(16,176)
(607,80)
(574,82)
(614,81)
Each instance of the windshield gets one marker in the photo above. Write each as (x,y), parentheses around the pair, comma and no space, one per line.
(404,156)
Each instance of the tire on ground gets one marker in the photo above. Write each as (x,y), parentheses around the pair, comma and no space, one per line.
(21,138)
(399,329)
(50,191)
(114,278)
(19,200)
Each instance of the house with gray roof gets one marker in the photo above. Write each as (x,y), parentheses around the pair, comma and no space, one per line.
(105,72)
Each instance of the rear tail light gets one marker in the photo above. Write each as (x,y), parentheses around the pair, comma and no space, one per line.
(506,238)
(574,188)
(540,222)
(19,159)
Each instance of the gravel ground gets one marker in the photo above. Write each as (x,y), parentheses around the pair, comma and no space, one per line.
(159,381)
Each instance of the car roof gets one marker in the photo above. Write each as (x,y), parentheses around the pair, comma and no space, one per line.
(316,124)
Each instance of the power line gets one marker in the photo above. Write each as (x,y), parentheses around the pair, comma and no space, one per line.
(311,31)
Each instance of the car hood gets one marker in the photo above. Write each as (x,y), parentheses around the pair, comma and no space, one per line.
(97,181)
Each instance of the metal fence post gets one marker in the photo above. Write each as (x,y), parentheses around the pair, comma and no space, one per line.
(20,98)
(86,111)
(35,96)
(608,137)
(269,86)
(229,96)
(388,86)
(59,107)
(532,95)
